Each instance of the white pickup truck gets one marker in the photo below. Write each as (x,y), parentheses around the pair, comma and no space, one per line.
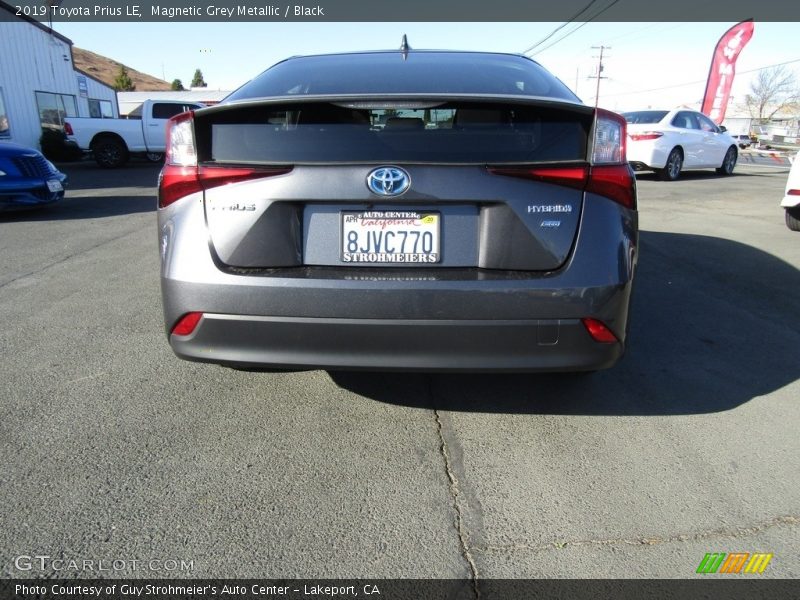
(112,141)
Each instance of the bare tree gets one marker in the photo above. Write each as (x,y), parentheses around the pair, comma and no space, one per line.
(771,91)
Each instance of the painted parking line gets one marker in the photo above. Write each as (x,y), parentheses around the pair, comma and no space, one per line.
(762,158)
(764,165)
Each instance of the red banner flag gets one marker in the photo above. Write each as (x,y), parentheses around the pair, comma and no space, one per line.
(723,68)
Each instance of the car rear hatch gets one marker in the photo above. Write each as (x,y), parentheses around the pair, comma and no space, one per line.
(424,182)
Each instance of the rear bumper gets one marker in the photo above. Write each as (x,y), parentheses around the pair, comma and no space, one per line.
(18,194)
(389,344)
(402,319)
(647,155)
(790,201)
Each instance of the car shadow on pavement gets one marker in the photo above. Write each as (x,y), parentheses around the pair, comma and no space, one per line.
(85,208)
(713,326)
(86,175)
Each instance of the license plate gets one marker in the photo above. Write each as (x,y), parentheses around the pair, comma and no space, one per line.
(54,185)
(390,236)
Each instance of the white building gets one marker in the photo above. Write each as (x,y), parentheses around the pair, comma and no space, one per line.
(129,102)
(39,86)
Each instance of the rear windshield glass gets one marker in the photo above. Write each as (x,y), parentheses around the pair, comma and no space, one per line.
(642,117)
(438,133)
(417,73)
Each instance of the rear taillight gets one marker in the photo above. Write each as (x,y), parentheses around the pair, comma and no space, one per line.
(609,174)
(599,331)
(187,323)
(178,182)
(645,135)
(616,182)
(793,192)
(608,146)
(574,177)
(68,128)
(181,174)
(181,149)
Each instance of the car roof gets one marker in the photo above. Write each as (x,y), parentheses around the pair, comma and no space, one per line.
(410,52)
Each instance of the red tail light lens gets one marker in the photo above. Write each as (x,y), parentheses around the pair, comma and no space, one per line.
(68,128)
(599,332)
(187,323)
(574,177)
(177,182)
(645,135)
(182,176)
(617,182)
(793,193)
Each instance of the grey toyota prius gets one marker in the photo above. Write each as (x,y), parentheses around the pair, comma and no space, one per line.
(399,210)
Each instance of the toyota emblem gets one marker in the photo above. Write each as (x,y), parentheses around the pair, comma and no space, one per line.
(388,181)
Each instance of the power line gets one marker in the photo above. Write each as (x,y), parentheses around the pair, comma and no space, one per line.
(560,27)
(569,33)
(670,27)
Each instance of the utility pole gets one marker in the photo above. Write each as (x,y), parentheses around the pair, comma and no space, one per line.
(599,71)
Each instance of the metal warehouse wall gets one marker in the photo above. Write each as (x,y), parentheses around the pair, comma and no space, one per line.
(32,60)
(97,91)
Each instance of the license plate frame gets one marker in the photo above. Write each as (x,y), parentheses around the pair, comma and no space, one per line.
(414,237)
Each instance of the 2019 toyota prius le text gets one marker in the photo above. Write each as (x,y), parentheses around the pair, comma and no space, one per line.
(399,210)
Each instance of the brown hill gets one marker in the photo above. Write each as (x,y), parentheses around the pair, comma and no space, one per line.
(106,70)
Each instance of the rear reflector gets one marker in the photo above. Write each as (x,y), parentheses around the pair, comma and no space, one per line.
(645,135)
(793,193)
(187,323)
(599,332)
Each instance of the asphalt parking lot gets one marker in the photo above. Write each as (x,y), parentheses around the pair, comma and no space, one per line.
(114,449)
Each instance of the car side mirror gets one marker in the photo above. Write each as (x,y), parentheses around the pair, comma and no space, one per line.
(723,129)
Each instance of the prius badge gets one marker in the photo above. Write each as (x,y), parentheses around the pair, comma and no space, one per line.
(388,181)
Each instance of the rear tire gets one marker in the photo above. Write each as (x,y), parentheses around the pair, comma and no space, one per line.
(672,170)
(109,153)
(793,218)
(729,162)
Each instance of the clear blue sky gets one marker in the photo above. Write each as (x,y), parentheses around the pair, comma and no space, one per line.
(649,64)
